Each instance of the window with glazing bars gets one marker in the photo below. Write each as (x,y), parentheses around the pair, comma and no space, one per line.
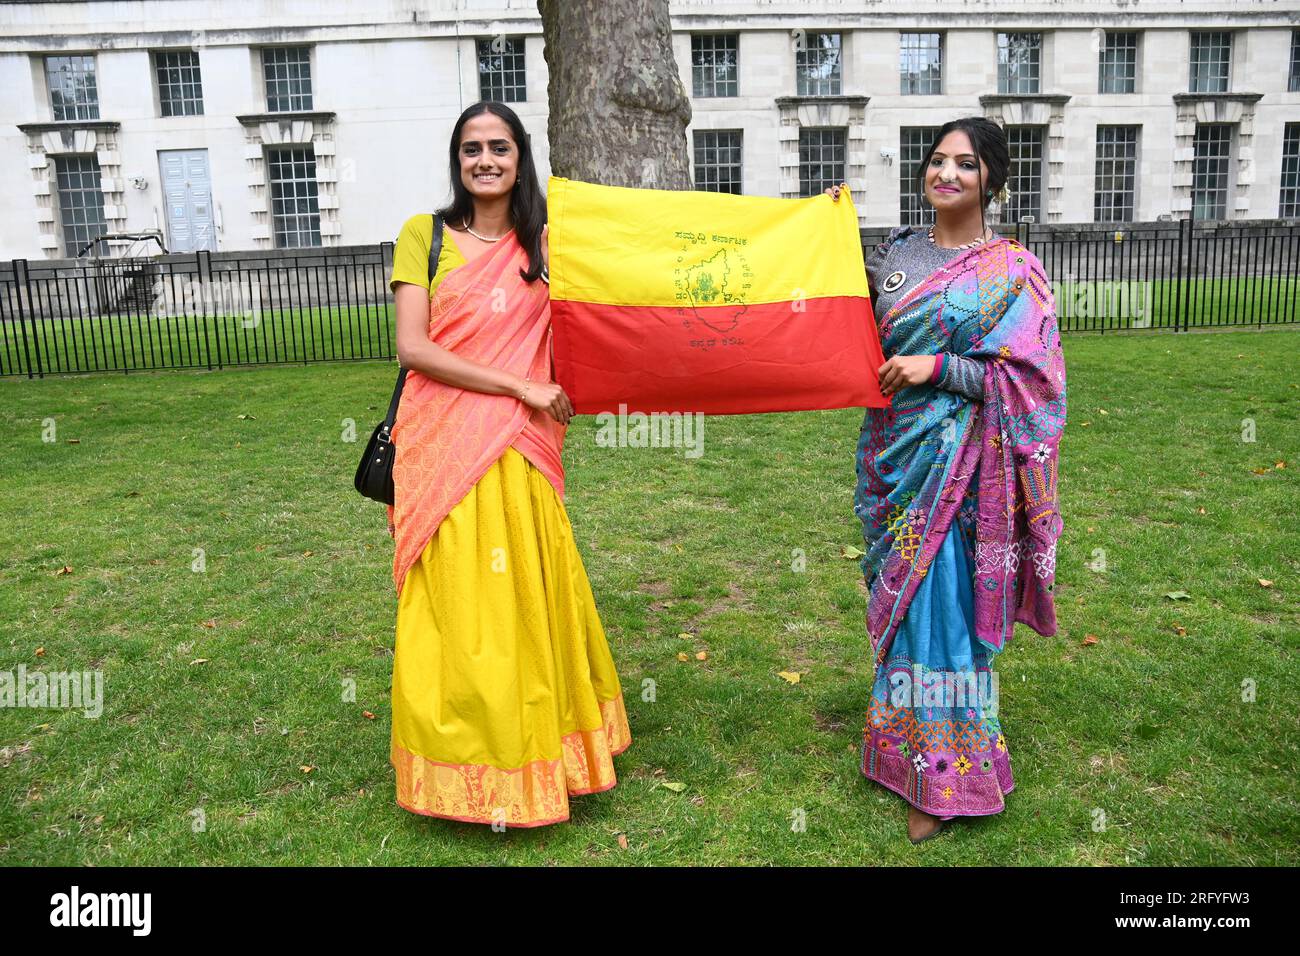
(1289,206)
(1117,63)
(1293,85)
(821,159)
(913,141)
(71,80)
(295,214)
(1211,151)
(81,202)
(1113,199)
(1019,62)
(1211,58)
(502,75)
(288,78)
(817,64)
(717,160)
(180,87)
(1025,175)
(920,63)
(714,64)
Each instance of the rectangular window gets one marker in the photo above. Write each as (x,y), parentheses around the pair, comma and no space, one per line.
(817,64)
(1289,207)
(920,63)
(1211,60)
(714,59)
(717,160)
(1293,86)
(1117,63)
(288,78)
(180,88)
(821,159)
(501,73)
(1025,175)
(1113,200)
(1019,62)
(295,215)
(1211,150)
(71,80)
(913,141)
(81,203)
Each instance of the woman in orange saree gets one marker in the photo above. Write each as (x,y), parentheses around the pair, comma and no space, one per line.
(505,697)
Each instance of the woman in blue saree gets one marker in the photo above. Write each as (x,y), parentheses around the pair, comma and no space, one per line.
(956,485)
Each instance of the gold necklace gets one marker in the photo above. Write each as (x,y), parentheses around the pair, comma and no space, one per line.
(464,223)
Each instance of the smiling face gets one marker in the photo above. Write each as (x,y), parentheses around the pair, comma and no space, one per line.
(952,178)
(489,156)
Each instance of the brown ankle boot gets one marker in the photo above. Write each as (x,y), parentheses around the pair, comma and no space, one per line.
(921,826)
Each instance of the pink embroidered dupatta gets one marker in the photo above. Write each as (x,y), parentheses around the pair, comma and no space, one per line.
(448,437)
(995,303)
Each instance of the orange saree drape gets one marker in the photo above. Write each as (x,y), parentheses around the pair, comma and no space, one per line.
(448,437)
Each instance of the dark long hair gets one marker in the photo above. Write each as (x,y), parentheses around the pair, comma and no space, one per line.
(527,204)
(988,142)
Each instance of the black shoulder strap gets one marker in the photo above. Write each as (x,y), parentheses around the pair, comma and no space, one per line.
(391,415)
(435,249)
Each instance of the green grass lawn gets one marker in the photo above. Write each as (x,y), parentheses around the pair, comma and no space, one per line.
(1146,725)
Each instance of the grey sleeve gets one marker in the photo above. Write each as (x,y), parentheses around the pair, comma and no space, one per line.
(963,375)
(875,262)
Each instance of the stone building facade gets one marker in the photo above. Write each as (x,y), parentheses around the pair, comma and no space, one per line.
(287,123)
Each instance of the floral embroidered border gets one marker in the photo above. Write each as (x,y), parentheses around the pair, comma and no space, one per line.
(946,784)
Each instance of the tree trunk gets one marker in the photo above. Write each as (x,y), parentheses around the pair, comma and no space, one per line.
(618,112)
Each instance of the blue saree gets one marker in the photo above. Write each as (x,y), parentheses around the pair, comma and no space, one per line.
(933,735)
(960,523)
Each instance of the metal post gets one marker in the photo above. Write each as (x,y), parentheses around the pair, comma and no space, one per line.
(22,280)
(1179,274)
(207,344)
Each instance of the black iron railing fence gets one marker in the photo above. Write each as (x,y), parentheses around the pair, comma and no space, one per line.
(1177,275)
(213,310)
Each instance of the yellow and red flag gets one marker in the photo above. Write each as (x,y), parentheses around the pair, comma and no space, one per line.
(709,302)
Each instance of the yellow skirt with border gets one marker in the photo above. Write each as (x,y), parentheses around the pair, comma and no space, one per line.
(505,697)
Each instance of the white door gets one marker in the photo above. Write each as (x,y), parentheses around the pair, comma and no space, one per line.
(187,193)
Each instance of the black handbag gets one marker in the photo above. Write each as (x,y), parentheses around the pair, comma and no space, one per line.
(374,477)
